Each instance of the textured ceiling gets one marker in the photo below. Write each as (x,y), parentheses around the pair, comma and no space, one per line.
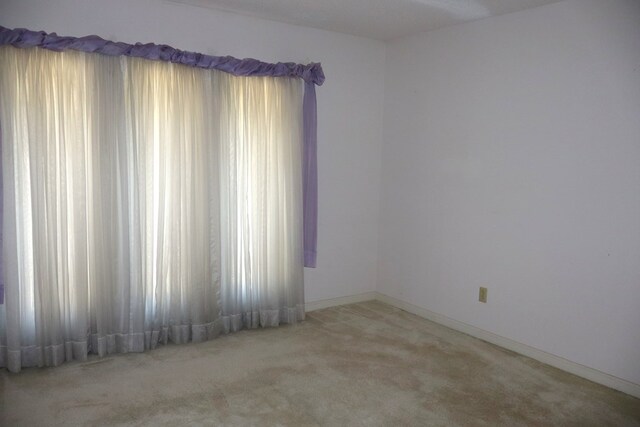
(377,19)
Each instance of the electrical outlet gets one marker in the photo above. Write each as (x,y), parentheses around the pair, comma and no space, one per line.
(483,294)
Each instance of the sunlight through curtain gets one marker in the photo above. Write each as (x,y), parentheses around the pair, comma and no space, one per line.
(144,202)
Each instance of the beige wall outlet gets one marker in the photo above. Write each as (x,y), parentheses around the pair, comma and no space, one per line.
(482,297)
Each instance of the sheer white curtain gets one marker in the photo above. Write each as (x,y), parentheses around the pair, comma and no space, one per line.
(261,200)
(143,202)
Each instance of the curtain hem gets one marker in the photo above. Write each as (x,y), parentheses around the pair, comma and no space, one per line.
(263,318)
(103,345)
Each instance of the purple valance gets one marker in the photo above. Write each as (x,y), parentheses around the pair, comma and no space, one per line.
(20,37)
(311,73)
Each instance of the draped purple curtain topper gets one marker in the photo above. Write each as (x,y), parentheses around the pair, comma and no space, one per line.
(20,37)
(312,75)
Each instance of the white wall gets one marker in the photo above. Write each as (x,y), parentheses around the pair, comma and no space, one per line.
(350,106)
(511,159)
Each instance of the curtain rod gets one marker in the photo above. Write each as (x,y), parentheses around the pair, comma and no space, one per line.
(22,38)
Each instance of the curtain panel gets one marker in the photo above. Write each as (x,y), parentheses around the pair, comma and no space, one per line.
(312,74)
(148,201)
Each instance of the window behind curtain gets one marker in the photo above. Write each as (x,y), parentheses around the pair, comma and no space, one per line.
(144,202)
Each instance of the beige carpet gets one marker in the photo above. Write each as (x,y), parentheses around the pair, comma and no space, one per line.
(364,364)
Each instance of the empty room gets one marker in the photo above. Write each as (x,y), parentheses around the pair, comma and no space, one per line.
(320,213)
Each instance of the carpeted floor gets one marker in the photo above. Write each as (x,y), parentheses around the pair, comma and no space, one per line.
(364,364)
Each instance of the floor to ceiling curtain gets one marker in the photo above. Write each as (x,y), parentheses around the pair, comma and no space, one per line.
(144,202)
(261,200)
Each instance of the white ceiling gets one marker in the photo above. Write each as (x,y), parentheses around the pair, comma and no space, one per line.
(377,19)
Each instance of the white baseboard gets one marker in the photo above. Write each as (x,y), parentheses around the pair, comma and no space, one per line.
(591,374)
(351,299)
